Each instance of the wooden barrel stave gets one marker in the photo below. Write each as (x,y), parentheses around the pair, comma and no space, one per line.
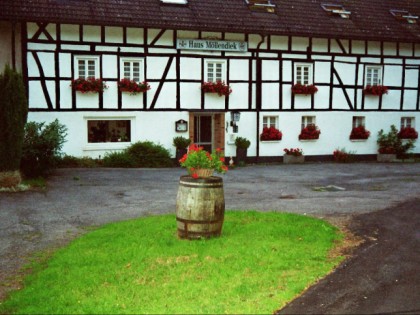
(200,207)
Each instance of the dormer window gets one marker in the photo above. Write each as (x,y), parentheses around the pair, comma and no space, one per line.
(260,5)
(174,1)
(336,9)
(403,15)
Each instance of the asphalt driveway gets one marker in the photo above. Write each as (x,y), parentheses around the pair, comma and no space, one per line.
(353,193)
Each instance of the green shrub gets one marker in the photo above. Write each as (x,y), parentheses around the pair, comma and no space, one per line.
(140,154)
(181,142)
(118,159)
(72,161)
(149,154)
(13,115)
(42,147)
(390,143)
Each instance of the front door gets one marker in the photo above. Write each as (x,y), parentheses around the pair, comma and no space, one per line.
(203,135)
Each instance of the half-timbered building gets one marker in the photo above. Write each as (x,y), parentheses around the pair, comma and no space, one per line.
(120,71)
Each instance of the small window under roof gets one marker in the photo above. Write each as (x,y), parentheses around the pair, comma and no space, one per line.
(336,9)
(404,15)
(260,5)
(174,1)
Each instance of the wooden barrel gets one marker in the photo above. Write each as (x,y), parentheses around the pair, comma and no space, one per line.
(200,207)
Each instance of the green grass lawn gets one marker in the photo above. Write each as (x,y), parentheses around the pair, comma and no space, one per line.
(261,261)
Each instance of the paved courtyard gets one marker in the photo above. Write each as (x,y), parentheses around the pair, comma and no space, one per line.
(78,198)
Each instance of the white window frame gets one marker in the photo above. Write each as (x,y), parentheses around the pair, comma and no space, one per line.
(304,77)
(100,146)
(270,121)
(407,122)
(131,62)
(359,121)
(308,120)
(370,77)
(86,60)
(210,69)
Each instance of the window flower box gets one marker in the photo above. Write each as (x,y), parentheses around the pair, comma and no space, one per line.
(376,90)
(304,89)
(219,87)
(359,133)
(408,133)
(132,87)
(89,85)
(310,132)
(271,134)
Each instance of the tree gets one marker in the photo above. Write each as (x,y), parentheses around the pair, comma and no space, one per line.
(13,115)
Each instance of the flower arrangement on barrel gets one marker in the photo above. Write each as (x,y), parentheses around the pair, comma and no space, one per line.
(310,132)
(293,152)
(304,89)
(375,90)
(359,133)
(219,87)
(201,163)
(408,133)
(131,86)
(271,134)
(88,85)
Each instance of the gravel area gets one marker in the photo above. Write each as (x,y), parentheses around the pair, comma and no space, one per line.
(79,198)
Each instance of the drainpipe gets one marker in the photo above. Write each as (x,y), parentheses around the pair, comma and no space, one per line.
(258,91)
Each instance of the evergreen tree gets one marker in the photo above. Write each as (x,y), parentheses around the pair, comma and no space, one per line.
(13,115)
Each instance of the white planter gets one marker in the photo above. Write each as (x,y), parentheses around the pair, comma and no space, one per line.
(386,157)
(291,159)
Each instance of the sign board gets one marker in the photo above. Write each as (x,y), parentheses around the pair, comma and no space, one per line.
(211,44)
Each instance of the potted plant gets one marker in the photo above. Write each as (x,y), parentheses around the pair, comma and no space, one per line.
(89,85)
(131,86)
(408,133)
(219,87)
(293,156)
(200,204)
(181,144)
(310,132)
(375,90)
(391,146)
(342,156)
(304,89)
(359,133)
(200,163)
(242,145)
(271,134)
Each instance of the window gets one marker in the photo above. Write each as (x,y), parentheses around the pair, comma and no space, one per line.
(308,121)
(373,75)
(174,1)
(407,122)
(87,67)
(132,69)
(303,74)
(358,121)
(261,5)
(100,131)
(336,9)
(270,121)
(215,71)
(403,15)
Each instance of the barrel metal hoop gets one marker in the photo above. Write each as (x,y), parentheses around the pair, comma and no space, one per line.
(197,221)
(202,233)
(201,185)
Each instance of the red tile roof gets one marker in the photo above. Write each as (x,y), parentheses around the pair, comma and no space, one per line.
(369,19)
